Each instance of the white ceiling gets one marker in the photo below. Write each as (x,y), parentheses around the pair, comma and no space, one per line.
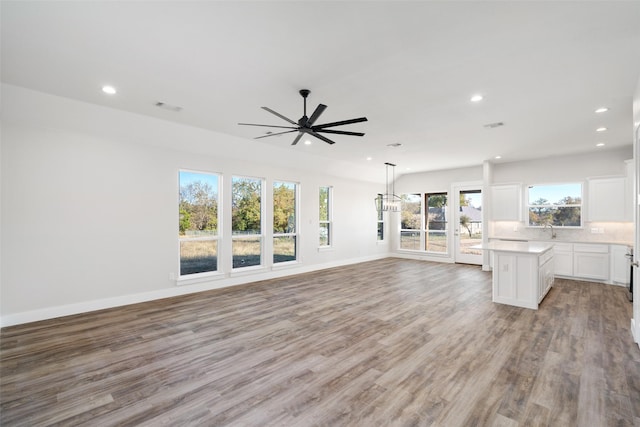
(409,67)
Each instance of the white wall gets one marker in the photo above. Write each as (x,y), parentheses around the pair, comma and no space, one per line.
(428,182)
(562,169)
(89,206)
(539,171)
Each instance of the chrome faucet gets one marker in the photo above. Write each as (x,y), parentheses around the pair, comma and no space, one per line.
(553,233)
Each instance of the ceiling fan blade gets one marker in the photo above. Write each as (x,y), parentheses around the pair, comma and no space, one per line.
(343,122)
(295,141)
(323,138)
(279,115)
(274,134)
(319,110)
(339,132)
(268,126)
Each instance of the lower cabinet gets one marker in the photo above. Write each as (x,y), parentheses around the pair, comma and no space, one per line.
(591,261)
(522,279)
(546,275)
(620,265)
(563,259)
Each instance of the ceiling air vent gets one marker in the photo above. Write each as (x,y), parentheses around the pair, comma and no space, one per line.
(494,125)
(169,107)
(394,145)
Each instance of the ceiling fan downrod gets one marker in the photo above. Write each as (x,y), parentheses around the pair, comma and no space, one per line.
(304,93)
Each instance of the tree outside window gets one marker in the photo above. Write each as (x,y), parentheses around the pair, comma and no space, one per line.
(557,205)
(246,221)
(284,222)
(198,222)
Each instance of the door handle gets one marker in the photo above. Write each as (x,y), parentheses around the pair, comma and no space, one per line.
(635,264)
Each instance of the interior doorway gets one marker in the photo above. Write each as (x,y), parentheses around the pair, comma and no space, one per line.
(468,227)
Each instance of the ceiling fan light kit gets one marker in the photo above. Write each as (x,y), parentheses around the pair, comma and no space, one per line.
(306,125)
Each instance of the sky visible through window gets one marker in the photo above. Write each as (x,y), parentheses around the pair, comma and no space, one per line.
(187,178)
(554,193)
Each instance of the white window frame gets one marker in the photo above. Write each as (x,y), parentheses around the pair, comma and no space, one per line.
(551,205)
(422,230)
(213,237)
(260,236)
(419,230)
(329,221)
(381,223)
(296,224)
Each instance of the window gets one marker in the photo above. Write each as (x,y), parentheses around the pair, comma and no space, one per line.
(380,218)
(436,222)
(558,205)
(246,222)
(423,222)
(325,216)
(198,222)
(410,221)
(284,222)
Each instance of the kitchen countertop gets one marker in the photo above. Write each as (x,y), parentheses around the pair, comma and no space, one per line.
(516,246)
(515,239)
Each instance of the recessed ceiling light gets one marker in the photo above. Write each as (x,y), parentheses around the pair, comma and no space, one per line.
(369,158)
(307,142)
(476,98)
(601,129)
(498,157)
(110,90)
(602,110)
(600,144)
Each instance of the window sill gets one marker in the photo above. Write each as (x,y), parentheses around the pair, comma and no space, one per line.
(285,265)
(244,271)
(193,279)
(325,249)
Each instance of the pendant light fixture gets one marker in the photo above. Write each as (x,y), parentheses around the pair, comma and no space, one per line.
(389,201)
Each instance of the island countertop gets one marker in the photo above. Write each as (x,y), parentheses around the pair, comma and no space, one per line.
(519,247)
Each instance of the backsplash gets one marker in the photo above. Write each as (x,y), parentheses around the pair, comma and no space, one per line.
(611,232)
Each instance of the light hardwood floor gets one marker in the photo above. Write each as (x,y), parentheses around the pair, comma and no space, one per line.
(385,343)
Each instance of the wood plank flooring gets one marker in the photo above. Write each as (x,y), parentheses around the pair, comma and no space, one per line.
(385,343)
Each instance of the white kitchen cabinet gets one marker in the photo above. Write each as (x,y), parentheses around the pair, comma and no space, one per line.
(619,265)
(591,261)
(563,259)
(506,202)
(522,272)
(606,199)
(545,273)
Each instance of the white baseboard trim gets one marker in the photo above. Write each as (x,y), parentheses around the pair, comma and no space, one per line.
(101,304)
(635,333)
(421,257)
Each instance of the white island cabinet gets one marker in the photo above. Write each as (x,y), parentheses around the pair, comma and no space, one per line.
(523,272)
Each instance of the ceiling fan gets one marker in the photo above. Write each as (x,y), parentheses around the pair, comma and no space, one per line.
(306,124)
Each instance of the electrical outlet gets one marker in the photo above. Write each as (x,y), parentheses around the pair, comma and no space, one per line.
(172,276)
(594,230)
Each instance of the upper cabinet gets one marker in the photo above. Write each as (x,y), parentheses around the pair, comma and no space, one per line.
(607,199)
(506,202)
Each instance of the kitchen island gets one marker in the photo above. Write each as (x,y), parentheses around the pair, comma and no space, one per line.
(522,272)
